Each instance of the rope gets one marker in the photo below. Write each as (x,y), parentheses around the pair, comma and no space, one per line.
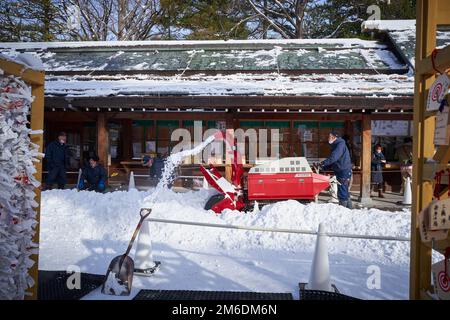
(308,232)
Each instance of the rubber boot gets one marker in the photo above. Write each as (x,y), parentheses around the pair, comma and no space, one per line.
(380,193)
(349,204)
(343,203)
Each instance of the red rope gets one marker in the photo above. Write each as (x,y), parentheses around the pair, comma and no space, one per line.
(448,182)
(437,186)
(433,57)
(446,257)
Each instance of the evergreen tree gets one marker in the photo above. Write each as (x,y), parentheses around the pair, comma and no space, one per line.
(28,20)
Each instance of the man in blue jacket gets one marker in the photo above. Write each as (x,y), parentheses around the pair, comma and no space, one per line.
(339,161)
(57,157)
(93,176)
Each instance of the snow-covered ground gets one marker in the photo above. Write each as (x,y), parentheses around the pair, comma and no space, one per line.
(88,229)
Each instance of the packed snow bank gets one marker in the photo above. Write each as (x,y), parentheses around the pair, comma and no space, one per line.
(88,229)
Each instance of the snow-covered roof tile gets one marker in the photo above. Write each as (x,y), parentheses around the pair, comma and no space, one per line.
(215,56)
(403,34)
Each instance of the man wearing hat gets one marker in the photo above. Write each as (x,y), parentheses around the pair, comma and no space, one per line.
(339,161)
(57,157)
(93,176)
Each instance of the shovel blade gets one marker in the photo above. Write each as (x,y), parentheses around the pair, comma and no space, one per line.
(119,276)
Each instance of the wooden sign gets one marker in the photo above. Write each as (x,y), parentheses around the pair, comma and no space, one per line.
(439,214)
(437,92)
(424,227)
(441,280)
(442,131)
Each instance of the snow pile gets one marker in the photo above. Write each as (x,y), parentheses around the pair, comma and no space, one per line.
(88,229)
(17,183)
(171,163)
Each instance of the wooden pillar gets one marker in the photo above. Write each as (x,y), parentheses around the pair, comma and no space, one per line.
(366,153)
(420,266)
(231,125)
(127,141)
(37,123)
(102,138)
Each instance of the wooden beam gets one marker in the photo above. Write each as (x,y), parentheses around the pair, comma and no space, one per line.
(442,62)
(443,14)
(127,141)
(420,265)
(233,102)
(37,123)
(231,124)
(102,138)
(30,76)
(366,157)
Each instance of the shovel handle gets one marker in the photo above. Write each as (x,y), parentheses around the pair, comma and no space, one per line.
(144,214)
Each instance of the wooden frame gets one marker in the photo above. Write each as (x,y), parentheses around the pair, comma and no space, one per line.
(36,80)
(430,13)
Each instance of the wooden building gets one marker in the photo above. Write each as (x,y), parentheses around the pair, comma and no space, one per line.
(124,99)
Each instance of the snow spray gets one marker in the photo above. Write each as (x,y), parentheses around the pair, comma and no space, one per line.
(171,163)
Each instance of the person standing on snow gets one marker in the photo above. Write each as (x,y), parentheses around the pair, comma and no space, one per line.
(156,166)
(57,157)
(377,162)
(339,161)
(95,176)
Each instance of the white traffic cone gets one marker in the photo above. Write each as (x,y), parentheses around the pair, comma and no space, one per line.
(256,207)
(131,184)
(319,278)
(143,258)
(407,196)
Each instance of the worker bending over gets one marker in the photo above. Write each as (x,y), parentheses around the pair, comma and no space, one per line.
(94,175)
(339,161)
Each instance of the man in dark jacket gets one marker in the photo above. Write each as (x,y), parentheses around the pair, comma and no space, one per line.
(57,157)
(156,165)
(339,161)
(93,176)
(378,160)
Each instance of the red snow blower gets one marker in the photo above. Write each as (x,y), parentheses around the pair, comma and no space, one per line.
(282,179)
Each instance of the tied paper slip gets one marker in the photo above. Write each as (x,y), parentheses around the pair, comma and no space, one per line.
(442,132)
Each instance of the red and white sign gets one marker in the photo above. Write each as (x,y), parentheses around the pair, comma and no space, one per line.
(441,279)
(437,92)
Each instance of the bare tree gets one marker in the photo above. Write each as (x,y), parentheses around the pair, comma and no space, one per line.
(111,19)
(284,17)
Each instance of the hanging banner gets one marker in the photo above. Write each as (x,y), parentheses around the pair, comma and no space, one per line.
(442,131)
(437,92)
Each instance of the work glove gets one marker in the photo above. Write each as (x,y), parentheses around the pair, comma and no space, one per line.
(101,186)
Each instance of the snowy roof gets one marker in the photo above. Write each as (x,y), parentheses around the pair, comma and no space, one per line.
(308,67)
(403,35)
(388,25)
(178,56)
(233,84)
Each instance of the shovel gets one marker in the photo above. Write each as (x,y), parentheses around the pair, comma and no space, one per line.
(119,276)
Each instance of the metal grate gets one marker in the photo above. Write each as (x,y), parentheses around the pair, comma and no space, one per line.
(53,285)
(209,295)
(320,295)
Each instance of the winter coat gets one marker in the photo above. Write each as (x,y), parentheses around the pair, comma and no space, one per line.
(94,175)
(339,160)
(157,168)
(377,168)
(57,155)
